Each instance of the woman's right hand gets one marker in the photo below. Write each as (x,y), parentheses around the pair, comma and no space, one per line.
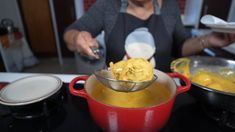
(83,43)
(221,39)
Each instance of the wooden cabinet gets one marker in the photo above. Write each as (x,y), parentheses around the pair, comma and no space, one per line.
(38,25)
(65,15)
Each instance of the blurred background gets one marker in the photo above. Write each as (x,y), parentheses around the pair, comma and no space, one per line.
(38,26)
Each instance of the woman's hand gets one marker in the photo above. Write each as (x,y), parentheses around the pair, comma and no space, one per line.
(84,43)
(195,45)
(220,39)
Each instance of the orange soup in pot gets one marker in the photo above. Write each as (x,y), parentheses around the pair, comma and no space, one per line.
(153,95)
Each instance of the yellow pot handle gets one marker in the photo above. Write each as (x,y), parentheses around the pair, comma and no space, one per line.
(181,66)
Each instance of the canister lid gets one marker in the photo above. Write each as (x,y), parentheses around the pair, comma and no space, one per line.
(29,90)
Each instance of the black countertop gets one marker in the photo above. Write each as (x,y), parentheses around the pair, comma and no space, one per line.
(74,116)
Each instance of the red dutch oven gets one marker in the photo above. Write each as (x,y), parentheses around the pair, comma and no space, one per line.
(118,119)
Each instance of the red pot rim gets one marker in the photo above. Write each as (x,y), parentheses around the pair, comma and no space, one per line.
(171,98)
(177,90)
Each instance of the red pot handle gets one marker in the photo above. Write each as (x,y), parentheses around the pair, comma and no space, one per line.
(3,84)
(75,92)
(181,89)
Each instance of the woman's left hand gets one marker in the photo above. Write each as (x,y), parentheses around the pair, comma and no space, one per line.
(216,39)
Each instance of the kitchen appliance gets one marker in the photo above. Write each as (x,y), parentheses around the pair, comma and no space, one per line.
(74,113)
(112,118)
(187,114)
(219,105)
(33,96)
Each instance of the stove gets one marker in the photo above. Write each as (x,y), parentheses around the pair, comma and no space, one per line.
(188,115)
(73,115)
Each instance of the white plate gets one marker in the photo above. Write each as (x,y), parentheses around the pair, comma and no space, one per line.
(217,24)
(29,90)
(222,28)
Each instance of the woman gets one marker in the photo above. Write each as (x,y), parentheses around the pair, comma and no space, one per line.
(122,20)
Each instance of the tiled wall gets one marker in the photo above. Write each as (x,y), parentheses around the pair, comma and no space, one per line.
(88,3)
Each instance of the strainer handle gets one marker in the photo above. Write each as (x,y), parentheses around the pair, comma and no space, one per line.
(181,89)
(75,92)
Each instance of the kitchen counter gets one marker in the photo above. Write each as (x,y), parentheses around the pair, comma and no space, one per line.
(74,115)
(10,76)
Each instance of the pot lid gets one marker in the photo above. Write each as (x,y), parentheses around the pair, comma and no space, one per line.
(29,90)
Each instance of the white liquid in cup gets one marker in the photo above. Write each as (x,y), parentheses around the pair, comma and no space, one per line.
(139,50)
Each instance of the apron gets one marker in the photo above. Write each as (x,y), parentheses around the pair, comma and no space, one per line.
(126,24)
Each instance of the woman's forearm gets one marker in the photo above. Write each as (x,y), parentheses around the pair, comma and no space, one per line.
(195,45)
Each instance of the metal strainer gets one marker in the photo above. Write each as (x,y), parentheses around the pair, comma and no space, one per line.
(105,77)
